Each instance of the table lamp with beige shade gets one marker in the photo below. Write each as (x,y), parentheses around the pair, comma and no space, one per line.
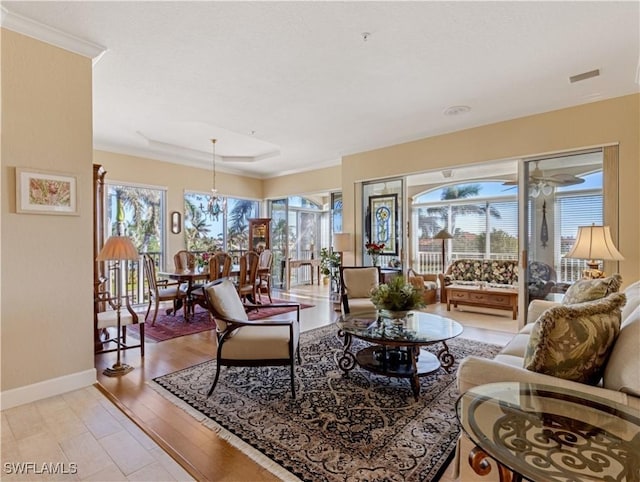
(594,243)
(342,242)
(118,249)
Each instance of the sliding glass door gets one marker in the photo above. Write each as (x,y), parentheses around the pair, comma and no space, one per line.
(558,194)
(298,227)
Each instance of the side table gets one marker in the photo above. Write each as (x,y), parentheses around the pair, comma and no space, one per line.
(544,433)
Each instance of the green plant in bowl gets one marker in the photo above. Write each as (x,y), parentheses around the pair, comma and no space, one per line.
(396,296)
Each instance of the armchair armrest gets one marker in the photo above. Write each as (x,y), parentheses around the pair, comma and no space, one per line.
(474,371)
(271,305)
(537,307)
(164,283)
(233,325)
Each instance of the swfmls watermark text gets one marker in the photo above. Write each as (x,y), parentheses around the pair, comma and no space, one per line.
(40,468)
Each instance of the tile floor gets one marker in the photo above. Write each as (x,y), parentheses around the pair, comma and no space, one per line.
(80,435)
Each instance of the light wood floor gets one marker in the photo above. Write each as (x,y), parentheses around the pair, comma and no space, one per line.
(197,448)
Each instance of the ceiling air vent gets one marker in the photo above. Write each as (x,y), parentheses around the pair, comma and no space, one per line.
(584,76)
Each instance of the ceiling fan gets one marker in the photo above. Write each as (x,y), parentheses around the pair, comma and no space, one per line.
(540,183)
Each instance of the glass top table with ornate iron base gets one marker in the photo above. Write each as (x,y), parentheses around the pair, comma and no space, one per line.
(395,349)
(543,433)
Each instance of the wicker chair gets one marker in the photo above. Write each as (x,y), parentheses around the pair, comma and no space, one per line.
(427,284)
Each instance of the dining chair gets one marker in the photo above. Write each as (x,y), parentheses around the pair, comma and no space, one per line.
(105,316)
(241,342)
(246,285)
(356,283)
(219,267)
(184,260)
(263,280)
(162,290)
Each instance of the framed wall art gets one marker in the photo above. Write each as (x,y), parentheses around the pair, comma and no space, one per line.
(383,212)
(46,192)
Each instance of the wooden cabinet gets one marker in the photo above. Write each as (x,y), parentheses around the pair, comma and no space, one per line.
(387,274)
(259,231)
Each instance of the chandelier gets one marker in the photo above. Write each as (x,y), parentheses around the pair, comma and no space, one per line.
(217,204)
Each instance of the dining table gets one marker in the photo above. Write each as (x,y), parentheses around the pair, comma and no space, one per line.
(192,276)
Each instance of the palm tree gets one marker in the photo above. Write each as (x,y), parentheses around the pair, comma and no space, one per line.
(237,222)
(452,193)
(197,228)
(144,206)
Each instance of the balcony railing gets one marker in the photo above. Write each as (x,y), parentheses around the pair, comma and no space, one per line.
(570,270)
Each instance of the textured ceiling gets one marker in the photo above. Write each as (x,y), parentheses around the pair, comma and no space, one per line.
(292,86)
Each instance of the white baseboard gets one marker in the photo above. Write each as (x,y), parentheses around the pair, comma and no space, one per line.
(48,388)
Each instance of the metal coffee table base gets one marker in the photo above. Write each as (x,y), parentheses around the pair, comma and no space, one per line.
(395,361)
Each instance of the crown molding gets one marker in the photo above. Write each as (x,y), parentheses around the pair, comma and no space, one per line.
(39,31)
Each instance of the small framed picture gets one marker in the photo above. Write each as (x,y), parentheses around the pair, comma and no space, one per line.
(46,192)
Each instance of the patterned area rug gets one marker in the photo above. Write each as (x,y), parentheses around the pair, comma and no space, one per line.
(169,326)
(360,427)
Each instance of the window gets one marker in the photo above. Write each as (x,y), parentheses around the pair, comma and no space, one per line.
(299,226)
(228,232)
(137,212)
(482,219)
(336,212)
(576,206)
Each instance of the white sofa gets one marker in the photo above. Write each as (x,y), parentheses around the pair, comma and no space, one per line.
(620,382)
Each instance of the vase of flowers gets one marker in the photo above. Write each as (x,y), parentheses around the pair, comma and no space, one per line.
(202,262)
(374,250)
(396,298)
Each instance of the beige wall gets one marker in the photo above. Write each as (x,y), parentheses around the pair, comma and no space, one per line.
(321,180)
(596,124)
(46,261)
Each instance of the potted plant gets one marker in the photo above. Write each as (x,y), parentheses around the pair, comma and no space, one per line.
(328,261)
(396,298)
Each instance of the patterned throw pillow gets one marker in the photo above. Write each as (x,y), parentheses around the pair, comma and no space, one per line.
(592,289)
(573,341)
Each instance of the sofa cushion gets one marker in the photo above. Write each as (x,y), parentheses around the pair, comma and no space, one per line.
(623,368)
(573,341)
(361,305)
(502,271)
(592,289)
(358,282)
(517,346)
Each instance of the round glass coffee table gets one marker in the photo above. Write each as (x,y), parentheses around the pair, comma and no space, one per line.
(540,432)
(395,344)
